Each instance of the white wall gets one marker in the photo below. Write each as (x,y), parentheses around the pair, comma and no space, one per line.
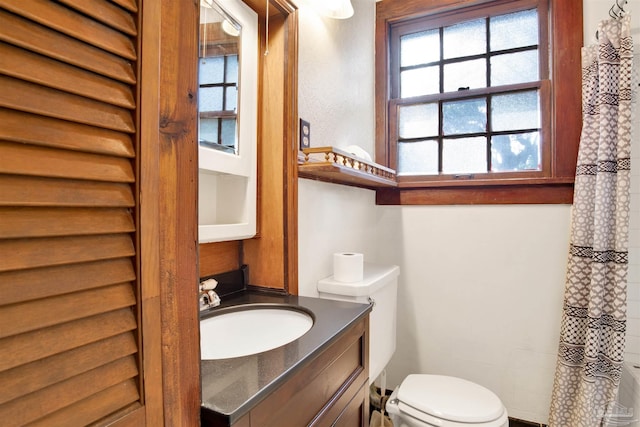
(336,90)
(481,286)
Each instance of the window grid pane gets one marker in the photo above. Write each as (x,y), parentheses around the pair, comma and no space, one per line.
(516,152)
(464,117)
(513,68)
(465,39)
(464,155)
(420,81)
(420,48)
(476,148)
(519,29)
(465,75)
(418,158)
(514,111)
(418,121)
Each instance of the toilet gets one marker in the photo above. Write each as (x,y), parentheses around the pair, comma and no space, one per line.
(421,400)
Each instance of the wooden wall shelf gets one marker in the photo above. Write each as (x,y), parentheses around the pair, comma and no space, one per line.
(334,165)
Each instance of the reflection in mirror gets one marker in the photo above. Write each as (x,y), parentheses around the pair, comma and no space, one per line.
(227,120)
(218,78)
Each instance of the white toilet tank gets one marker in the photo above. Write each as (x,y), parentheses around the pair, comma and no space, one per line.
(380,286)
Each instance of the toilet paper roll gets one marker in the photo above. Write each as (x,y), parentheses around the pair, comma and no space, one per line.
(348,267)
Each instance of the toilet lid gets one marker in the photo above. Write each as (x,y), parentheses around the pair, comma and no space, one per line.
(450,398)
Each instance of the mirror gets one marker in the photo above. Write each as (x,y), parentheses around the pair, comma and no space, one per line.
(227,120)
(218,71)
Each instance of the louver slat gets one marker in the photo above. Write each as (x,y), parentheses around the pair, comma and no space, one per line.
(37,38)
(24,285)
(31,98)
(22,64)
(31,253)
(130,5)
(35,191)
(105,12)
(73,24)
(45,312)
(40,130)
(25,348)
(44,222)
(19,412)
(95,408)
(22,159)
(33,376)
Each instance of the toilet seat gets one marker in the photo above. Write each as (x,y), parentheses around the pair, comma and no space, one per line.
(447,401)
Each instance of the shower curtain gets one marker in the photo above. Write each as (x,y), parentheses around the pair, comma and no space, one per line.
(592,336)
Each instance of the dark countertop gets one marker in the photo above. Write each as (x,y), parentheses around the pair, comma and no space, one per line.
(232,387)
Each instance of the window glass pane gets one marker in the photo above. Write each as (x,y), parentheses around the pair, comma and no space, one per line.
(464,155)
(468,38)
(420,48)
(418,121)
(420,81)
(210,99)
(418,158)
(211,70)
(232,69)
(467,116)
(514,30)
(471,74)
(231,99)
(229,133)
(208,131)
(515,111)
(514,68)
(517,152)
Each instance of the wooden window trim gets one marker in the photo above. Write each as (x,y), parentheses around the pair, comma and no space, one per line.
(565,41)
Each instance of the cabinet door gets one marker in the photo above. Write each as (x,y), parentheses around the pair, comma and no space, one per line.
(356,413)
(327,387)
(70,333)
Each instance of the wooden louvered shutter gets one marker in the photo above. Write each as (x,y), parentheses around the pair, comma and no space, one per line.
(69,287)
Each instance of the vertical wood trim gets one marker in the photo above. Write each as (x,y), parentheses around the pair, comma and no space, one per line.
(291,154)
(177,214)
(272,255)
(566,94)
(381,88)
(265,254)
(148,198)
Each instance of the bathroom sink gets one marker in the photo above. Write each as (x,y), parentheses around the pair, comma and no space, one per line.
(250,329)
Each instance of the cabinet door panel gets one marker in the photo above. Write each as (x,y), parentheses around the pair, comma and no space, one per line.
(318,393)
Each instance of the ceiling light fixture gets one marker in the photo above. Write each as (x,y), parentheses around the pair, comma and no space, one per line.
(337,9)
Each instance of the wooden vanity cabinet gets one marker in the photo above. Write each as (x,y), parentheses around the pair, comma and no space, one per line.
(330,390)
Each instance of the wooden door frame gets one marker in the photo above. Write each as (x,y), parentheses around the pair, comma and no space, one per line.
(168,212)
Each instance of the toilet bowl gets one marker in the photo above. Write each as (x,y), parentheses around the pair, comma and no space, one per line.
(436,400)
(420,400)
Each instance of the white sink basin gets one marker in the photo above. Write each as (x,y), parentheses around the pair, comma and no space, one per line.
(250,331)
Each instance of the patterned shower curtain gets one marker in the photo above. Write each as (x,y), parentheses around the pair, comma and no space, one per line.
(592,336)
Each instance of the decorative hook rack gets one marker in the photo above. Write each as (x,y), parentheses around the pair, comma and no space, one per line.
(617,10)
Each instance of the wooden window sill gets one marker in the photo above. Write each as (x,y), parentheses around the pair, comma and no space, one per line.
(329,164)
